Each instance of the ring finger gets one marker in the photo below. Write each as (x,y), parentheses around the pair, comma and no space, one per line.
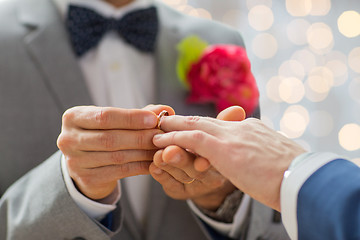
(177,173)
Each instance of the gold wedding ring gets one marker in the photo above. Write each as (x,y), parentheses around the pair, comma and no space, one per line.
(160,116)
(190,181)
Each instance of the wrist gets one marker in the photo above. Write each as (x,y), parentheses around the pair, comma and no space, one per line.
(96,194)
(94,209)
(226,211)
(215,199)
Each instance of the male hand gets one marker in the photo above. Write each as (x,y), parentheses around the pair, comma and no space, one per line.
(251,155)
(183,175)
(102,145)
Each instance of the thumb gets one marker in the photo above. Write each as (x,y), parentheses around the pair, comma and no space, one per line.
(158,108)
(234,113)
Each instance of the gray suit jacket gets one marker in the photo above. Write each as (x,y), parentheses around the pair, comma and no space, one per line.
(39,80)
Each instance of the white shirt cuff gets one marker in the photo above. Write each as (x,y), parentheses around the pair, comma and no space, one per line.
(301,169)
(229,229)
(94,209)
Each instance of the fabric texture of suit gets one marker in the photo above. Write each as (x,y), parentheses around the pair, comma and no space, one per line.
(40,79)
(329,203)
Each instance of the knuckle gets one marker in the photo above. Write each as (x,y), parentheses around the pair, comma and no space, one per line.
(107,140)
(102,117)
(198,135)
(185,179)
(232,148)
(141,140)
(124,169)
(174,136)
(64,142)
(192,120)
(143,167)
(60,141)
(117,157)
(128,118)
(149,154)
(200,176)
(132,169)
(68,116)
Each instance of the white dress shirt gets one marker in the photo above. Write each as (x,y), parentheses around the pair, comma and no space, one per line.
(114,80)
(299,171)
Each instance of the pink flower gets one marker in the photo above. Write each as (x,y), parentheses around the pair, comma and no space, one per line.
(223,76)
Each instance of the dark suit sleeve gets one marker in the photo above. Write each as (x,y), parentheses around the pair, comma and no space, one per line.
(329,203)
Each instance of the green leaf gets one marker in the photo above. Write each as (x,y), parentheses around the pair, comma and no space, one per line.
(190,50)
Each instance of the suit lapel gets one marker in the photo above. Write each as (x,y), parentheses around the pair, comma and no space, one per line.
(61,72)
(165,61)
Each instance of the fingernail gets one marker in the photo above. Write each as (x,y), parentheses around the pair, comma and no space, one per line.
(150,121)
(157,137)
(157,171)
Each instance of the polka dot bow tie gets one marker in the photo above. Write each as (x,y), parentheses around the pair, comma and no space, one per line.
(86,27)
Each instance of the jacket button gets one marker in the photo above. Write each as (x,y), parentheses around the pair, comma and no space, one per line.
(79,238)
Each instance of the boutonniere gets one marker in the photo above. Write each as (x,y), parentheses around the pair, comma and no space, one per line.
(219,74)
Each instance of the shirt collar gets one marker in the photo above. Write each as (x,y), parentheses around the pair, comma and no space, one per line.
(102,7)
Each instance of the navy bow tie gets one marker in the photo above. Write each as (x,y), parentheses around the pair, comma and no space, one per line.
(86,27)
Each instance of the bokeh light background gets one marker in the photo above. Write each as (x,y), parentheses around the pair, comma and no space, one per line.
(305,56)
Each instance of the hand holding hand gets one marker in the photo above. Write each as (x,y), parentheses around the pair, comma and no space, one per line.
(174,168)
(251,155)
(102,145)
